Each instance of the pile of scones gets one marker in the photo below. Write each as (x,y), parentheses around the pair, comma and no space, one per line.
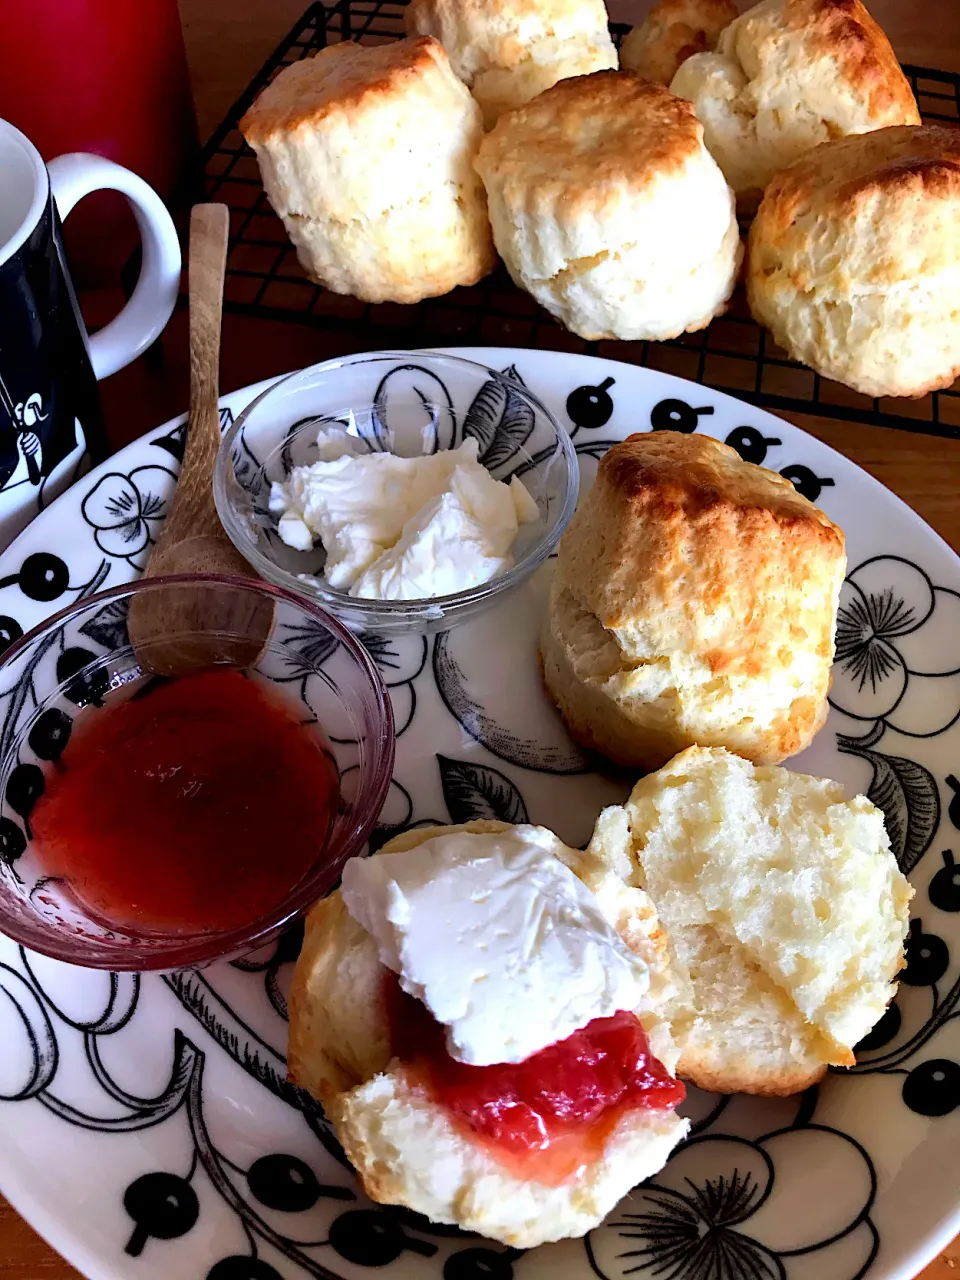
(504,127)
(689,634)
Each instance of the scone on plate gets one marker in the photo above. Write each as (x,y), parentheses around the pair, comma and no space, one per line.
(786,76)
(783,910)
(673,31)
(694,601)
(366,153)
(421,1131)
(855,260)
(508,52)
(607,207)
(765,917)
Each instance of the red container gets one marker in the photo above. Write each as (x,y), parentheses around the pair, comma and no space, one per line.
(107,76)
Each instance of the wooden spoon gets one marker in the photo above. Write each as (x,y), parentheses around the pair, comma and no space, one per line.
(181,627)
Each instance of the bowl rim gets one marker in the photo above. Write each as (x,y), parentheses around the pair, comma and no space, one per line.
(367,610)
(179,953)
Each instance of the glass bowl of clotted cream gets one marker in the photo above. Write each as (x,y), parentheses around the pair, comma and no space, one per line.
(404,491)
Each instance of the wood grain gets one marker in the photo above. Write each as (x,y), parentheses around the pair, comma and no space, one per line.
(179,629)
(226,43)
(192,511)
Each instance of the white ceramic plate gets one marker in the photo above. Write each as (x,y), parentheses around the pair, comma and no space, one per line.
(147,1126)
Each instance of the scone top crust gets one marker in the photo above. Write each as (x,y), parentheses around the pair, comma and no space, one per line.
(848,221)
(480,34)
(589,138)
(788,75)
(343,79)
(894,191)
(780,34)
(673,31)
(854,255)
(681,547)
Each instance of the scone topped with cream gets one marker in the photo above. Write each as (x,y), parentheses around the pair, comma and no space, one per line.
(366,154)
(509,51)
(786,76)
(481,1037)
(608,208)
(492,1019)
(693,603)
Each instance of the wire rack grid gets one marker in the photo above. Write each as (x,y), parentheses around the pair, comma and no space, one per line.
(733,354)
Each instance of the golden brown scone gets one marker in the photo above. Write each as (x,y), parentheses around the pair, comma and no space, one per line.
(510,51)
(607,207)
(693,601)
(855,260)
(783,908)
(673,31)
(366,153)
(786,76)
(404,1147)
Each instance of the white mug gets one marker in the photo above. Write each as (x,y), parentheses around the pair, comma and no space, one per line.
(49,364)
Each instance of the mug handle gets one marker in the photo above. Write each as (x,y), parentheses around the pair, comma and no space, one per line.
(151,304)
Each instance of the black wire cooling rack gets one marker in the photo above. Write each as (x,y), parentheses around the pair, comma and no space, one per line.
(733,354)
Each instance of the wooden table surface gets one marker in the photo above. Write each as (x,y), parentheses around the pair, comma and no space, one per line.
(226,43)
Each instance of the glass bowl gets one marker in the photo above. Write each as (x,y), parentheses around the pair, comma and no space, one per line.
(83,656)
(408,403)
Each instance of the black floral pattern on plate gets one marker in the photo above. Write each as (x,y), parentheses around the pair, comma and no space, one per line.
(472,791)
(493,727)
(913,1024)
(500,421)
(896,652)
(125,512)
(707,1216)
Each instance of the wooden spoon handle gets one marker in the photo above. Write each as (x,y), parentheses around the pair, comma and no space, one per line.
(193,508)
(178,629)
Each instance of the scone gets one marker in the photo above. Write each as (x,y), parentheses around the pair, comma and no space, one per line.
(607,207)
(693,602)
(673,31)
(786,76)
(783,908)
(407,1149)
(854,260)
(407,1152)
(366,153)
(507,53)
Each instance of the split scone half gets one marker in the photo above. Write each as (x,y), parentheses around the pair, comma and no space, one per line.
(406,1149)
(782,908)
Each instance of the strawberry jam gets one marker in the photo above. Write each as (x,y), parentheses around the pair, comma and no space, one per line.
(547,1117)
(195,806)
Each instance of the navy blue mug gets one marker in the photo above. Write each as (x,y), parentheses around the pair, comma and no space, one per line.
(49,407)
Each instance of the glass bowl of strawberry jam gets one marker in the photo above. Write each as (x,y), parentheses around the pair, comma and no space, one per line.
(157,822)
